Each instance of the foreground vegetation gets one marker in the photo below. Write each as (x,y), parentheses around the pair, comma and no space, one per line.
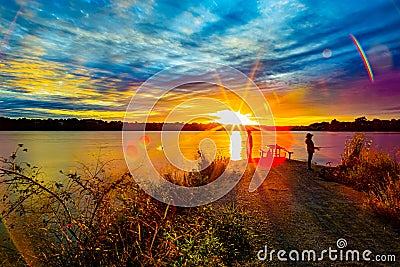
(373,171)
(93,219)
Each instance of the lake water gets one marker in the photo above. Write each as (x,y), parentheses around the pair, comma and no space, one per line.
(54,151)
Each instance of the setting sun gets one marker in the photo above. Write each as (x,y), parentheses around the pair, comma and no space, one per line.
(232,117)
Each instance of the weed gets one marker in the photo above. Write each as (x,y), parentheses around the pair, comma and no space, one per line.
(372,171)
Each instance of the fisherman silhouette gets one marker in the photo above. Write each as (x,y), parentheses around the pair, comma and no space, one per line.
(249,146)
(310,149)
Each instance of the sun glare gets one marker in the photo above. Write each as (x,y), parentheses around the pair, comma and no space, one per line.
(232,117)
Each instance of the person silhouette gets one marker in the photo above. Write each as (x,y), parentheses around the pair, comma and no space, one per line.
(310,149)
(249,145)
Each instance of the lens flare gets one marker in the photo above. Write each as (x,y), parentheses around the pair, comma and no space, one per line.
(327,53)
(144,140)
(233,118)
(132,149)
(364,57)
(8,35)
(143,166)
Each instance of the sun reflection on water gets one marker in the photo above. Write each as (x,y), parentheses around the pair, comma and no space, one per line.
(235,145)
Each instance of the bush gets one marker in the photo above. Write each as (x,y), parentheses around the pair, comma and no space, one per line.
(195,178)
(372,171)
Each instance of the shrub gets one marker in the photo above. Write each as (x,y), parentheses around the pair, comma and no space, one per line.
(194,178)
(372,171)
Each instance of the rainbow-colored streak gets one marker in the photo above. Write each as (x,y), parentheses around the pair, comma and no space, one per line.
(7,37)
(364,57)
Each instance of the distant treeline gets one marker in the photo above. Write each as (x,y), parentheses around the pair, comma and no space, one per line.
(73,124)
(358,125)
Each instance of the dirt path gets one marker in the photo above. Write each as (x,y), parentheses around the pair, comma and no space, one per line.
(300,211)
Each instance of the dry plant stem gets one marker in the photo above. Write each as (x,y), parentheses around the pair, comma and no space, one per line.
(100,200)
(23,177)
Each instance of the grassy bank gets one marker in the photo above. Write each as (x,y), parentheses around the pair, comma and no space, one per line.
(373,171)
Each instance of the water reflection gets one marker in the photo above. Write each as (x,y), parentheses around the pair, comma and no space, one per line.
(54,151)
(235,145)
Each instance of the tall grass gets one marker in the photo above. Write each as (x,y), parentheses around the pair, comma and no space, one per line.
(94,219)
(372,171)
(209,171)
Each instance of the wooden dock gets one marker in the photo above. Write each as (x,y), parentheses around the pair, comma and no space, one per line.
(275,151)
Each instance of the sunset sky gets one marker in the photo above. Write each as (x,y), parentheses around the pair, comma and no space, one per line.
(86,58)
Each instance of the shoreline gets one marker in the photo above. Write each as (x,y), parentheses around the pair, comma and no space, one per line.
(359,124)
